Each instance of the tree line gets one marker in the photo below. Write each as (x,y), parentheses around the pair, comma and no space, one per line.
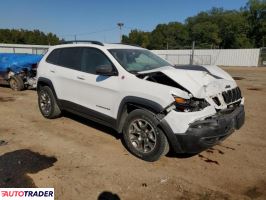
(216,28)
(21,36)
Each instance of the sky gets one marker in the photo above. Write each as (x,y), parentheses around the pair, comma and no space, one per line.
(97,19)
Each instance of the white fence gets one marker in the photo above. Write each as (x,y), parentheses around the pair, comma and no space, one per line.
(23,48)
(226,57)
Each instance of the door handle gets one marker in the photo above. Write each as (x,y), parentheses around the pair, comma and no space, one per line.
(80,78)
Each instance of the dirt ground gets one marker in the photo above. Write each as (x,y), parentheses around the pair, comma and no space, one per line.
(84,160)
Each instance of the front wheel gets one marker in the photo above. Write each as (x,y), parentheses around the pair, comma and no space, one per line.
(143,138)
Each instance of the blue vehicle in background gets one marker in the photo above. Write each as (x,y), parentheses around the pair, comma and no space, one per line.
(19,70)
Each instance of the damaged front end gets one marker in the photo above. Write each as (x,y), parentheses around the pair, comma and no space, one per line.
(206,86)
(214,110)
(203,134)
(188,105)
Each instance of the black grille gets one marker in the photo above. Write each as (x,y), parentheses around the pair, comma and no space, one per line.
(216,100)
(232,95)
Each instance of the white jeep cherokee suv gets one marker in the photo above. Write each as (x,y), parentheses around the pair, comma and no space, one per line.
(154,104)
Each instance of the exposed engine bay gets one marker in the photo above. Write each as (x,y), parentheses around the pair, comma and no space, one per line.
(210,87)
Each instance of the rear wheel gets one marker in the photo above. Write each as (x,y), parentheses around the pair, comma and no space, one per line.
(47,103)
(143,138)
(16,83)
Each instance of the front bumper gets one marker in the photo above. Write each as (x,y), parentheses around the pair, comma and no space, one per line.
(206,133)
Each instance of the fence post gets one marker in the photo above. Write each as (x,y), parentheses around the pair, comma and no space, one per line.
(262,57)
(192,53)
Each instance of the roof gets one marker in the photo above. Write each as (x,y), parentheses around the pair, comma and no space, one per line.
(121,46)
(97,44)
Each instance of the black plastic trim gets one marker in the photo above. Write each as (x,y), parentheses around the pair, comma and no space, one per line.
(88,113)
(172,139)
(46,81)
(139,102)
(83,41)
(204,134)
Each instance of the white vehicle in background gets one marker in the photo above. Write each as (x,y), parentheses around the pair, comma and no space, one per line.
(156,106)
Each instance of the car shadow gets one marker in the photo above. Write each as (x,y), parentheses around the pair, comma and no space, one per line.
(93,124)
(108,196)
(112,132)
(172,154)
(15,165)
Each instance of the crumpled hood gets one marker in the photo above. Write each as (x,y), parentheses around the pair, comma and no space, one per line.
(201,81)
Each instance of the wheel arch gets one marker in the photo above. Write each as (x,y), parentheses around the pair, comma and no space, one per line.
(130,103)
(46,82)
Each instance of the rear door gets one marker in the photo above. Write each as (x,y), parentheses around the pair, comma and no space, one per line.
(65,73)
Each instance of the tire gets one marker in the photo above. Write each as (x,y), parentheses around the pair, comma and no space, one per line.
(47,103)
(16,83)
(143,138)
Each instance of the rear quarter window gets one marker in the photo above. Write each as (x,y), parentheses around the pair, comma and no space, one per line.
(53,57)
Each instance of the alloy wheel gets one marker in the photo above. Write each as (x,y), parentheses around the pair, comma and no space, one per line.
(45,102)
(142,135)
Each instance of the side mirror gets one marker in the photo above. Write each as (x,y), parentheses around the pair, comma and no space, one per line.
(105,70)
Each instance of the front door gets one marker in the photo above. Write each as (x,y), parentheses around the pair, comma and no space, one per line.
(98,93)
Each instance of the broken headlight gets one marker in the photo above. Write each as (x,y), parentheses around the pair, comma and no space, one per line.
(189,105)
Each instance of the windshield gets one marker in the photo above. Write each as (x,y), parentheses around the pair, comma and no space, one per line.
(136,60)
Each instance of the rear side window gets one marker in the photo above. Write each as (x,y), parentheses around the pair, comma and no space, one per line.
(53,57)
(70,58)
(92,58)
(66,57)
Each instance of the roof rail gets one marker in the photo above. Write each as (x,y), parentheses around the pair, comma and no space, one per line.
(83,41)
(134,45)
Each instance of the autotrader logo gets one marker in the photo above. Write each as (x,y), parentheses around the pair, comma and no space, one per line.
(27,193)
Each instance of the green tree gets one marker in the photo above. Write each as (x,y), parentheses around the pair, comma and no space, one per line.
(206,34)
(137,37)
(219,28)
(216,28)
(234,31)
(173,35)
(255,12)
(21,36)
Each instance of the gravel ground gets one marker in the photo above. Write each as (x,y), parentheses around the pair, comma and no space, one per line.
(84,160)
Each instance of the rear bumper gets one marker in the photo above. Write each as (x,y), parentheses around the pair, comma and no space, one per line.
(206,133)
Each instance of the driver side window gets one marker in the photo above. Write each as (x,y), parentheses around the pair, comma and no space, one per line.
(91,59)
